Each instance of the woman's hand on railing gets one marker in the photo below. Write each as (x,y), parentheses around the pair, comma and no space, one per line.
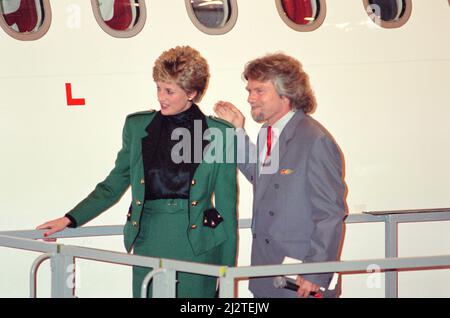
(53,227)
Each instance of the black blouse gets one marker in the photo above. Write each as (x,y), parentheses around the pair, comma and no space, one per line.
(164,178)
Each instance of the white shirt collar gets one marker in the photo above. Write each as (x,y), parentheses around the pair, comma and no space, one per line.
(277,128)
(282,122)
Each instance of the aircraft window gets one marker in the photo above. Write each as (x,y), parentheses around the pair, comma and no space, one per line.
(302,15)
(212,16)
(120,18)
(389,13)
(25,19)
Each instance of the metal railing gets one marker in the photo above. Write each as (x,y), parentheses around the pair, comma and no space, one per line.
(164,271)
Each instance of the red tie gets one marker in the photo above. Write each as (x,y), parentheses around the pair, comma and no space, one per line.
(269,141)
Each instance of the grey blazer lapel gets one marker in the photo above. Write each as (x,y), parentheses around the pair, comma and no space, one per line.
(287,134)
(289,131)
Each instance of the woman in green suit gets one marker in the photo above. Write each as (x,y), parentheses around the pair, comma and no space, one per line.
(173,182)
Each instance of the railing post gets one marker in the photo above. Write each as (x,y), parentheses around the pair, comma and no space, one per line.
(63,275)
(33,273)
(164,284)
(391,250)
(226,284)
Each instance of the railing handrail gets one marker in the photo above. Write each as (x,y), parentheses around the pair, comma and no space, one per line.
(415,215)
(383,264)
(26,240)
(116,257)
(244,271)
(409,211)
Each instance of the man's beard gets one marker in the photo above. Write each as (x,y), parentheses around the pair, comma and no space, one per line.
(259,117)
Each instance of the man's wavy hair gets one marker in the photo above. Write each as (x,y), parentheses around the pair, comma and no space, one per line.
(185,67)
(288,77)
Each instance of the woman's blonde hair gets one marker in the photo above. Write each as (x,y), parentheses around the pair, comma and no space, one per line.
(288,77)
(185,67)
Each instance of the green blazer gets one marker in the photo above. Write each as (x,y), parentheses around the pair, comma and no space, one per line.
(211,179)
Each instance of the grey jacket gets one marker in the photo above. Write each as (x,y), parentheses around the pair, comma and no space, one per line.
(299,210)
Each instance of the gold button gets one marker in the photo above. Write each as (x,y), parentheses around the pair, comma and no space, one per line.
(135,224)
(193,182)
(194,203)
(138,202)
(142,181)
(193,226)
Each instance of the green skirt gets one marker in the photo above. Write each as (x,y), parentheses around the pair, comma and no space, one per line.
(163,234)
